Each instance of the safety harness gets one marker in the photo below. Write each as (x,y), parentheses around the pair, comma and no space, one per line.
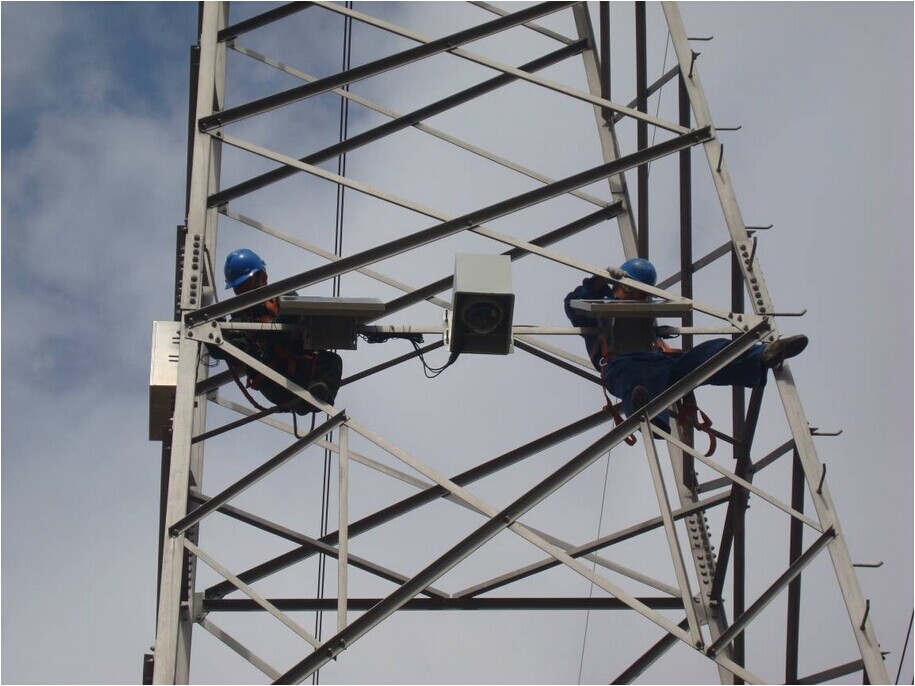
(686,411)
(282,359)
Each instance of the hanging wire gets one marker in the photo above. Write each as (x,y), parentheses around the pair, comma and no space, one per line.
(908,635)
(600,525)
(338,251)
(432,372)
(654,133)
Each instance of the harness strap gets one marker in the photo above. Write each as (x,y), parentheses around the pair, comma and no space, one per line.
(689,414)
(244,390)
(617,419)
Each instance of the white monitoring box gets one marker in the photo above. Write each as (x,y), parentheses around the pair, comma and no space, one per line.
(482,305)
(330,323)
(163,377)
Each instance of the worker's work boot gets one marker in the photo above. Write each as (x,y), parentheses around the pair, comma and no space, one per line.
(640,398)
(320,390)
(779,351)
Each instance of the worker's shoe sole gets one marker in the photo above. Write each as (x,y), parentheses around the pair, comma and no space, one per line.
(782,349)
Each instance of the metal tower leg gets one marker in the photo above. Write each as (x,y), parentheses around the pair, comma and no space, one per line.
(762,304)
(176,584)
(606,132)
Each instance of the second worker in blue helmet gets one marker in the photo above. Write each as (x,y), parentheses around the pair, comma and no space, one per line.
(637,377)
(318,371)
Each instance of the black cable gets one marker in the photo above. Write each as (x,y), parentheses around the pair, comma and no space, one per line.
(905,646)
(338,251)
(432,372)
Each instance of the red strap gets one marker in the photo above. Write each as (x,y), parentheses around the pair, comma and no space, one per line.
(617,419)
(689,414)
(242,388)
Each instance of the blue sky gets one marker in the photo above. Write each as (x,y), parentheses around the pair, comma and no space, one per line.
(94,107)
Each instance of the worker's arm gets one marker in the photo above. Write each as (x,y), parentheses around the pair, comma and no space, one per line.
(591,288)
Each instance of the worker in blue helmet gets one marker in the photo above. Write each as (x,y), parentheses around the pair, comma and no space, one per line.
(318,371)
(638,376)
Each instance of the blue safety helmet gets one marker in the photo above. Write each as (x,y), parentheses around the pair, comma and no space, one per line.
(241,265)
(641,270)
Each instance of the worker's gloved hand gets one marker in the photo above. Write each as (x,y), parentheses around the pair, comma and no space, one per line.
(617,273)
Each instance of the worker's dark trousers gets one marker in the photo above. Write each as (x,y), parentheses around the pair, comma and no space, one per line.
(657,371)
(327,368)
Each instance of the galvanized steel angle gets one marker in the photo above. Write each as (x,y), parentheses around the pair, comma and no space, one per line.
(838,549)
(442,135)
(242,650)
(479,229)
(288,534)
(445,229)
(734,479)
(524,532)
(553,547)
(393,602)
(586,550)
(430,494)
(391,127)
(252,594)
(355,456)
(546,83)
(315,250)
(254,476)
(673,540)
(363,71)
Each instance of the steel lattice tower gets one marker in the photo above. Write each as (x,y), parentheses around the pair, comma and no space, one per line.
(699,515)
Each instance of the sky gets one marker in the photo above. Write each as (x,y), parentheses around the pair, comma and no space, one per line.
(94,126)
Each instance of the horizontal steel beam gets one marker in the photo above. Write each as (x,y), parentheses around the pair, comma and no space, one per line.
(445,229)
(379,66)
(834,673)
(405,121)
(361,604)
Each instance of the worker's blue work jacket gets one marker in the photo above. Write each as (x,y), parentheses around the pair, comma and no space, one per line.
(654,370)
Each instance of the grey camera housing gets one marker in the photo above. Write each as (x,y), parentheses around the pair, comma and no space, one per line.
(482,305)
